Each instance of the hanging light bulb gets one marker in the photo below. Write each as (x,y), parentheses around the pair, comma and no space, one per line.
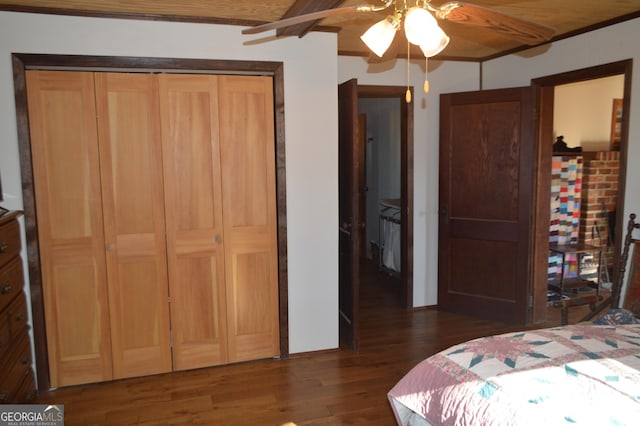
(379,36)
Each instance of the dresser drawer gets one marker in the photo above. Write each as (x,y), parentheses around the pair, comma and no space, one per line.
(26,393)
(5,336)
(16,364)
(11,281)
(17,313)
(9,241)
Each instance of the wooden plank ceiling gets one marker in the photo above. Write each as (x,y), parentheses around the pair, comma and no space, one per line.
(468,42)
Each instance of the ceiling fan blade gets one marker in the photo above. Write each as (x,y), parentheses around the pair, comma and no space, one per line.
(301,7)
(523,30)
(303,18)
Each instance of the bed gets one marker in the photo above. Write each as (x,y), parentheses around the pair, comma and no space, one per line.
(587,373)
(574,374)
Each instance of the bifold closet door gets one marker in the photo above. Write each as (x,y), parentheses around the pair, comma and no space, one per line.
(134,227)
(193,197)
(219,162)
(62,117)
(249,207)
(99,195)
(156,215)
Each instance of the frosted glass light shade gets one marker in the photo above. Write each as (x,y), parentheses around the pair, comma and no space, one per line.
(435,44)
(419,25)
(379,36)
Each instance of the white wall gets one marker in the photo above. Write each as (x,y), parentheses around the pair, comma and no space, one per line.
(582,112)
(311,130)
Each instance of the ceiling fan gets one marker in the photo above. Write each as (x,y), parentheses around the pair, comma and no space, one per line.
(419,19)
(523,30)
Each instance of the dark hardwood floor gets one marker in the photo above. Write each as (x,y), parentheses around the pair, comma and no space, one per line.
(328,388)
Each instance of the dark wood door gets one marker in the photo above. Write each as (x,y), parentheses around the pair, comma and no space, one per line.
(350,185)
(362,170)
(487,163)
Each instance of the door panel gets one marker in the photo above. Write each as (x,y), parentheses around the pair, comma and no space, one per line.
(487,145)
(70,229)
(133,205)
(131,216)
(250,225)
(351,180)
(193,210)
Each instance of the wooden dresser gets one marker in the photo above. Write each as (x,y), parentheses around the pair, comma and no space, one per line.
(17,383)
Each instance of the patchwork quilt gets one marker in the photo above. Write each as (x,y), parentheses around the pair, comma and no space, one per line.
(576,374)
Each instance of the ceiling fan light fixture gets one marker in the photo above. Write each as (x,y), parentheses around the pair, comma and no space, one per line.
(419,25)
(435,43)
(379,36)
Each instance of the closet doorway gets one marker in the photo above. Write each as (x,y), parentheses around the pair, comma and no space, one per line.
(22,62)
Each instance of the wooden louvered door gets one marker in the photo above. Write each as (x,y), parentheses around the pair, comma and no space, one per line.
(133,208)
(65,159)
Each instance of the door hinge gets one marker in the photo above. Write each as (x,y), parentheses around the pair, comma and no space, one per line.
(530,302)
(171,338)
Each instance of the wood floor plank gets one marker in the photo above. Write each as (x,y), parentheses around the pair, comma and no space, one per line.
(336,387)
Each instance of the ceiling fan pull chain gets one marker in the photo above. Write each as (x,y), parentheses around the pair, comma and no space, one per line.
(407,95)
(426,72)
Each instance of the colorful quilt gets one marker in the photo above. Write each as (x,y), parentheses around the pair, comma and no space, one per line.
(576,374)
(566,196)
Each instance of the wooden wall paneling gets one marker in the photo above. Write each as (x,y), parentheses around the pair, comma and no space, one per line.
(250,225)
(133,207)
(69,214)
(193,208)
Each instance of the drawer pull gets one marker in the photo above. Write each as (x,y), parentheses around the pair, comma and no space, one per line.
(6,288)
(4,395)
(3,246)
(25,360)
